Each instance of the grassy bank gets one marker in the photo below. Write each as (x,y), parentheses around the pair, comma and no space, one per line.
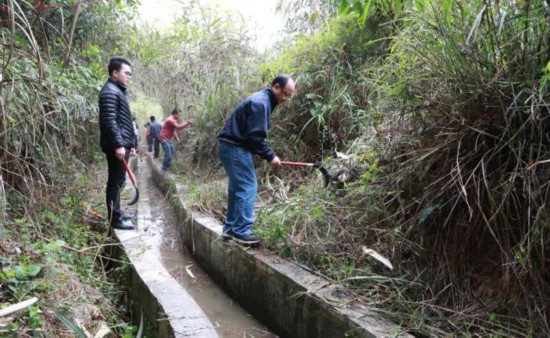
(57,256)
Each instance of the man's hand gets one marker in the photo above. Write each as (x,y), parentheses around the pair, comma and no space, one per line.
(191,120)
(275,162)
(120,153)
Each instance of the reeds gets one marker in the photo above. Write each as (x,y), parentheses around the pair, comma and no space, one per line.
(47,98)
(455,114)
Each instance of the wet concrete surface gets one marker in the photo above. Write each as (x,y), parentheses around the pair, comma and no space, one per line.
(156,226)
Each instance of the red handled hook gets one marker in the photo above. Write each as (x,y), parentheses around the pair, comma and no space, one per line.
(133,179)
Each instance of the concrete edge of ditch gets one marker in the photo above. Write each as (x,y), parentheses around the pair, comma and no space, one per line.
(168,310)
(287,298)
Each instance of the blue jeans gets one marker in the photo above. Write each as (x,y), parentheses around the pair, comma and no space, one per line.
(168,150)
(241,188)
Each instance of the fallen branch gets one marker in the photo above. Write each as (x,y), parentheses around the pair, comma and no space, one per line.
(104,332)
(534,164)
(378,257)
(17,307)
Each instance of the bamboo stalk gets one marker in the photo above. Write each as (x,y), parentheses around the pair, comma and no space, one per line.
(17,307)
(3,204)
(71,36)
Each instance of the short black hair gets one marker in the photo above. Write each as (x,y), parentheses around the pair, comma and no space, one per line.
(116,62)
(152,118)
(281,79)
(176,111)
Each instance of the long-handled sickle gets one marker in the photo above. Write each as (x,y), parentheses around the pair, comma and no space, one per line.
(327,177)
(133,179)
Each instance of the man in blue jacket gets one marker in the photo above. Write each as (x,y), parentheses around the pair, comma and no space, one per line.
(154,134)
(117,136)
(242,137)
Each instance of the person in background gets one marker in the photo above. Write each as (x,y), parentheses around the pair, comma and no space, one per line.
(136,131)
(117,136)
(154,130)
(148,138)
(169,130)
(242,137)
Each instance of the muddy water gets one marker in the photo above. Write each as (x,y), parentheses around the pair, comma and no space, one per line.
(156,222)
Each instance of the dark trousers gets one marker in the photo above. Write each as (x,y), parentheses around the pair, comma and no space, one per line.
(156,146)
(149,144)
(115,183)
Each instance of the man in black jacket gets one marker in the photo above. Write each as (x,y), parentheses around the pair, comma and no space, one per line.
(117,136)
(242,137)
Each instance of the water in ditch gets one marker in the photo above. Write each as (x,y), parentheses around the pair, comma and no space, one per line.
(156,222)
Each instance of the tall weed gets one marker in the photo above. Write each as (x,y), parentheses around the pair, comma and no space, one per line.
(445,122)
(469,88)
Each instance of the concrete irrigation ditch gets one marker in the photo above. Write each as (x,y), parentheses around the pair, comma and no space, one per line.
(285,297)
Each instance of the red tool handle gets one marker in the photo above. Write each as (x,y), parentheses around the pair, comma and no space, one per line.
(130,173)
(295,164)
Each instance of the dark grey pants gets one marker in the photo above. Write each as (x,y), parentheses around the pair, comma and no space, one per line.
(115,183)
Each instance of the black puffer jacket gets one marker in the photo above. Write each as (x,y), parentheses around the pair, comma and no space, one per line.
(115,118)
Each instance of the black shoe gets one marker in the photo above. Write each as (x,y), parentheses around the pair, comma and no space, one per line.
(228,235)
(126,217)
(123,225)
(245,240)
(248,240)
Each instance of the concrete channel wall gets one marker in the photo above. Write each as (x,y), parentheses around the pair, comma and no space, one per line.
(168,309)
(288,299)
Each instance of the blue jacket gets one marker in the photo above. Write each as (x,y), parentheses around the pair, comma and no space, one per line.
(248,124)
(154,130)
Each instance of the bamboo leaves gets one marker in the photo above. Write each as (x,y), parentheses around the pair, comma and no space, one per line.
(475,25)
(44,101)
(367,8)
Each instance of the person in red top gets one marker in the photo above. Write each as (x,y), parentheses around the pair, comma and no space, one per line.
(168,132)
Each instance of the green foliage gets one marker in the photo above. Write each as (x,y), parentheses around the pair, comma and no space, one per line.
(129,331)
(70,324)
(365,9)
(42,265)
(143,107)
(453,85)
(438,106)
(332,89)
(439,109)
(305,16)
(53,63)
(21,271)
(272,229)
(206,197)
(202,60)
(51,91)
(34,321)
